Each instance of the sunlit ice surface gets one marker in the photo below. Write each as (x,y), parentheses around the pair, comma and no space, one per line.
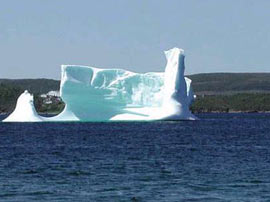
(95,94)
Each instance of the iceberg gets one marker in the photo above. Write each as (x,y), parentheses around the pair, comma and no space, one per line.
(94,94)
(25,110)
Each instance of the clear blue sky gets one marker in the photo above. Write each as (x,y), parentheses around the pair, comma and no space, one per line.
(37,36)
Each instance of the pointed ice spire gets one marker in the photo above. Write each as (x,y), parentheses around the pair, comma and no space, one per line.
(25,110)
(174,81)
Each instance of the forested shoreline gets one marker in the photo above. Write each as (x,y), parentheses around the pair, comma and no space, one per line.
(216,92)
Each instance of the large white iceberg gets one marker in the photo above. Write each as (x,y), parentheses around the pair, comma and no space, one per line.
(93,94)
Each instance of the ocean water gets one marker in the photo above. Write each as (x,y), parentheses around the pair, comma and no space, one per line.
(222,157)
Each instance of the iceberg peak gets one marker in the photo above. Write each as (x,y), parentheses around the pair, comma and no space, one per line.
(25,110)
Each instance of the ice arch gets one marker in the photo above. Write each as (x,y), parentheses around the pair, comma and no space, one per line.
(93,94)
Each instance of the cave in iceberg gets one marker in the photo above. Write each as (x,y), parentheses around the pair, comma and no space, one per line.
(94,94)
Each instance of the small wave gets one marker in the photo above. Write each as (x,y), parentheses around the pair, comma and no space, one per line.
(78,173)
(35,193)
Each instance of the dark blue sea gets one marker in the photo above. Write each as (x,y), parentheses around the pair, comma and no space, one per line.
(222,157)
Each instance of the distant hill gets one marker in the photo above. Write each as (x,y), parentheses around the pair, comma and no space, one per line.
(36,86)
(208,83)
(230,83)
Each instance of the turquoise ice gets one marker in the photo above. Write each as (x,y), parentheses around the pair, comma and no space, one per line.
(94,94)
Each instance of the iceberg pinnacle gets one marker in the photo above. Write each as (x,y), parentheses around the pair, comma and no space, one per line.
(94,94)
(25,110)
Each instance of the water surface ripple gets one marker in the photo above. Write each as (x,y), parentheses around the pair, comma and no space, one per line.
(222,157)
